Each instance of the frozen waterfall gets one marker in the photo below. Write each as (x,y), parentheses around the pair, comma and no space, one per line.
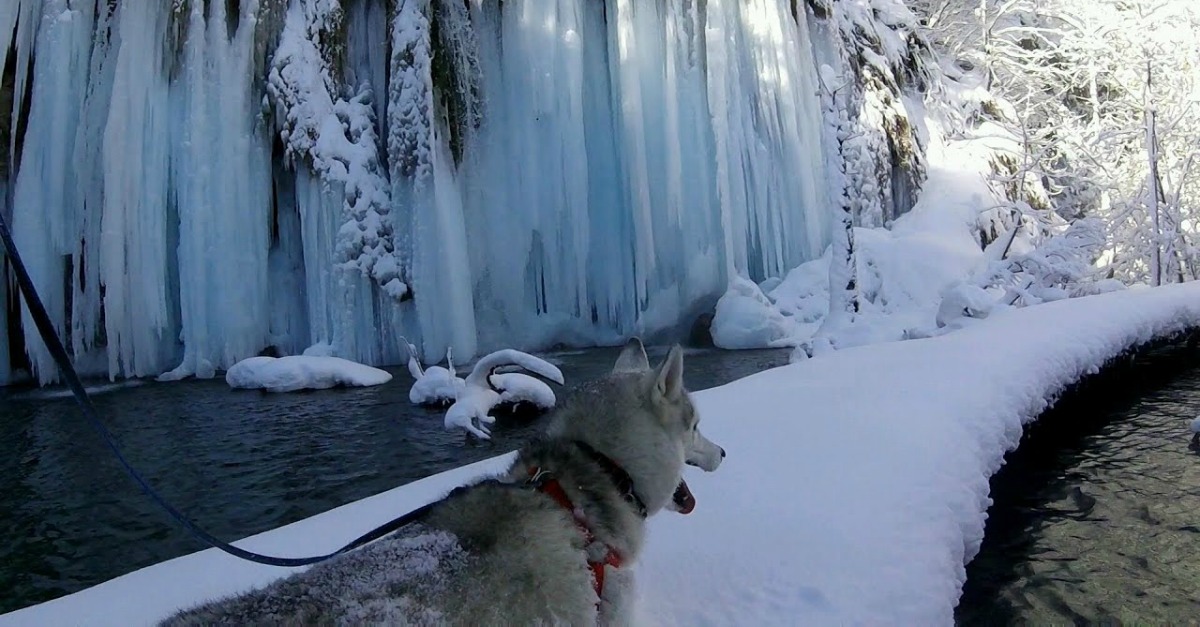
(190,187)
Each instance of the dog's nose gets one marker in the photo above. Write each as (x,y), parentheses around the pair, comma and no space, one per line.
(722,452)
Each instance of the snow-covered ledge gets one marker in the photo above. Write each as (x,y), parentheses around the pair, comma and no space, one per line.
(855,490)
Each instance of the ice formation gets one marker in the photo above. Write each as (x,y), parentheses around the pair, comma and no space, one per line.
(194,186)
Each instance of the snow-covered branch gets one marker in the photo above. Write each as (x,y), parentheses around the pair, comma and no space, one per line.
(483,390)
(1103,99)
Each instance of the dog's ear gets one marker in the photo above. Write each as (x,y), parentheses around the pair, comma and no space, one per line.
(668,381)
(632,357)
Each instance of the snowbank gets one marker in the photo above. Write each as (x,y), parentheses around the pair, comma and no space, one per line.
(857,483)
(854,492)
(901,271)
(301,372)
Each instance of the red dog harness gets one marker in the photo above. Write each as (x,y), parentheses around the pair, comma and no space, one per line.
(552,488)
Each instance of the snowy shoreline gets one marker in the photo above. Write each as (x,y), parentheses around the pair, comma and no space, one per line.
(855,491)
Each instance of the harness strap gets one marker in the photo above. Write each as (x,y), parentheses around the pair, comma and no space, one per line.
(552,488)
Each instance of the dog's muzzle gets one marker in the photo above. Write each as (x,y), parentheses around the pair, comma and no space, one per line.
(706,457)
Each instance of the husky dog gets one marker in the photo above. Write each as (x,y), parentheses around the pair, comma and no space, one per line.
(548,542)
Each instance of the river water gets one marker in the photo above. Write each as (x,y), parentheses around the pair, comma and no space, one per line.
(237,461)
(1096,518)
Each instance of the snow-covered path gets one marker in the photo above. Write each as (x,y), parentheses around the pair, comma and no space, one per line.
(856,484)
(854,492)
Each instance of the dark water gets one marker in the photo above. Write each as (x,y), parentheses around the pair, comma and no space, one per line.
(238,461)
(1096,517)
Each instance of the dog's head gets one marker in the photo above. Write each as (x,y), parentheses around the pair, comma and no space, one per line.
(644,420)
(664,394)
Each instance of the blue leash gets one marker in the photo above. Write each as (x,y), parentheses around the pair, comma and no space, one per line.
(40,318)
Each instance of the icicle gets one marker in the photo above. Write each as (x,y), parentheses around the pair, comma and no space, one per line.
(610,269)
(724,100)
(559,170)
(45,219)
(289,326)
(700,265)
(366,52)
(88,197)
(9,14)
(626,59)
(633,157)
(134,262)
(425,192)
(222,177)
(19,24)
(766,119)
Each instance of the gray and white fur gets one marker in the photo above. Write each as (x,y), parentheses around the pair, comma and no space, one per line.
(501,554)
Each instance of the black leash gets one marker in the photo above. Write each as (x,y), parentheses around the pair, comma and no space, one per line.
(40,318)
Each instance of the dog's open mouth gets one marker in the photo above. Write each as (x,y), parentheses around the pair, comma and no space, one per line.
(683,501)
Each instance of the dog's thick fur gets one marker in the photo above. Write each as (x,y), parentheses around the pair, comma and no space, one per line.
(501,554)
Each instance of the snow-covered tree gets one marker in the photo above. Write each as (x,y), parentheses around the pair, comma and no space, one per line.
(1103,95)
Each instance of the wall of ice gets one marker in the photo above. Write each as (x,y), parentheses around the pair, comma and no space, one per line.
(190,186)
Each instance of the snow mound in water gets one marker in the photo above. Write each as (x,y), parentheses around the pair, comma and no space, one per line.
(302,372)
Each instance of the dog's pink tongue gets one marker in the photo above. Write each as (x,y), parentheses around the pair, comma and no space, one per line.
(683,499)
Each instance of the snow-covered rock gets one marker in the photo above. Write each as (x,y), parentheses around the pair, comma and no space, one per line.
(302,372)
(746,318)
